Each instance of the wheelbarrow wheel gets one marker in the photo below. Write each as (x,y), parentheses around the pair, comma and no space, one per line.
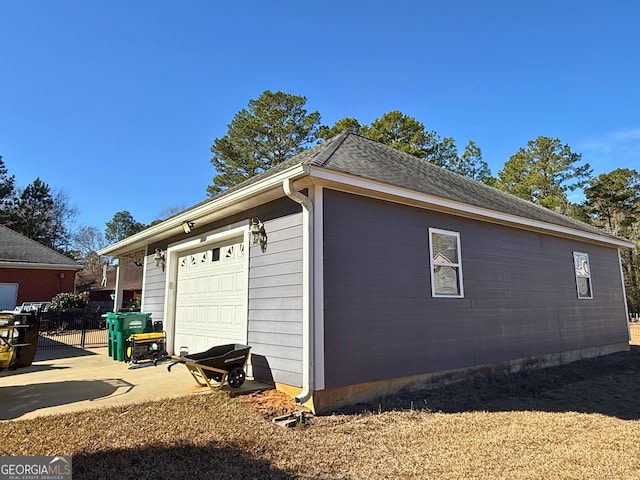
(236,377)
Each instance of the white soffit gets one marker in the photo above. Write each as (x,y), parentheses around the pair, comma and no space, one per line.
(235,202)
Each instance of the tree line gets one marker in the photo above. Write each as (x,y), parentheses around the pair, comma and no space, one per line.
(44,214)
(277,126)
(37,211)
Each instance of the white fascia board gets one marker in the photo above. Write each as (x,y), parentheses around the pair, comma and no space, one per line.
(139,240)
(384,191)
(39,266)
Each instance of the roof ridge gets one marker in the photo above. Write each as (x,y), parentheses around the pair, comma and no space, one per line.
(325,154)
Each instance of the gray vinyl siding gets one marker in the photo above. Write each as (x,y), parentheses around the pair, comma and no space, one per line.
(519,300)
(154,289)
(275,302)
(275,290)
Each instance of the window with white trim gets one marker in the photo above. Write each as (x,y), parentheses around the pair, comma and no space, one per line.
(446,264)
(583,274)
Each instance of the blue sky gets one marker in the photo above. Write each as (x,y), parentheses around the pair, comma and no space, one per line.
(118,103)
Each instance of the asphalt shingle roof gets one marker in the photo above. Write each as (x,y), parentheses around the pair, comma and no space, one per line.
(372,160)
(356,155)
(16,248)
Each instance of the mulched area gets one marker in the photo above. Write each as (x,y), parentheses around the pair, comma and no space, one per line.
(270,403)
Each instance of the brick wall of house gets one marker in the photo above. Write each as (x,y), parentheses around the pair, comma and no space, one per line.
(35,285)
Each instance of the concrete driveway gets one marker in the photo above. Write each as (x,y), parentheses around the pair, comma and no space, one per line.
(73,379)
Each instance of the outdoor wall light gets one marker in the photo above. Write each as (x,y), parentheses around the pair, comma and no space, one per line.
(187,226)
(257,234)
(159,258)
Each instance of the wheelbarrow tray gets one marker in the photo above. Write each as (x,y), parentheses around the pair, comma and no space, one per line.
(216,364)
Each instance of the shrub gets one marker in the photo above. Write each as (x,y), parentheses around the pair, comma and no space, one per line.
(68,301)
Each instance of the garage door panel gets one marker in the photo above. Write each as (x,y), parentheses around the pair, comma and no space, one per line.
(210,298)
(228,283)
(182,340)
(203,285)
(214,283)
(185,314)
(227,312)
(202,313)
(214,316)
(241,312)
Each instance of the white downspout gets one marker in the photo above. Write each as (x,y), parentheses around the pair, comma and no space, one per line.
(119,288)
(308,342)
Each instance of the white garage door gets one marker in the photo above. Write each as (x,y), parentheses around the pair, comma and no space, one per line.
(8,296)
(211,298)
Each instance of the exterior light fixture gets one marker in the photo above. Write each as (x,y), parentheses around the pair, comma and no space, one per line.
(187,226)
(257,234)
(159,258)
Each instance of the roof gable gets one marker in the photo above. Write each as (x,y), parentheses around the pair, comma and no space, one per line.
(18,249)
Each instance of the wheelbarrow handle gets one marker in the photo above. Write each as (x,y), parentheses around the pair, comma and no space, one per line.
(172,364)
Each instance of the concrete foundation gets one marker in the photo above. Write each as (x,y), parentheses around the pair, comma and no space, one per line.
(325,401)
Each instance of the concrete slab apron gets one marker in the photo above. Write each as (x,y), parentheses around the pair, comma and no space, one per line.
(71,380)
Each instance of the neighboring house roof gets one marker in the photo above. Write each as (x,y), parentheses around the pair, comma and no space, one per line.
(18,251)
(353,157)
(132,280)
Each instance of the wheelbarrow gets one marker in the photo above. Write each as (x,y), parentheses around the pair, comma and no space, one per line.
(219,363)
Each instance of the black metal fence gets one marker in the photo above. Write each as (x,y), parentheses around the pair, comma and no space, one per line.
(72,328)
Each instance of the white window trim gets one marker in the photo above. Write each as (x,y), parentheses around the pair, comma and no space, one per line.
(575,273)
(457,265)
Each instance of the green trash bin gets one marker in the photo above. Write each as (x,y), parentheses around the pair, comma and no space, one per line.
(123,325)
(111,319)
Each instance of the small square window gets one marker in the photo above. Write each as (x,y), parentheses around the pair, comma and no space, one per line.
(446,264)
(583,274)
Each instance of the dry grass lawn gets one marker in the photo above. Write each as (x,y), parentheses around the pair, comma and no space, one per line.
(579,421)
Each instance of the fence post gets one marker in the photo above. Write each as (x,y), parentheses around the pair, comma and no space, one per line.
(83,335)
